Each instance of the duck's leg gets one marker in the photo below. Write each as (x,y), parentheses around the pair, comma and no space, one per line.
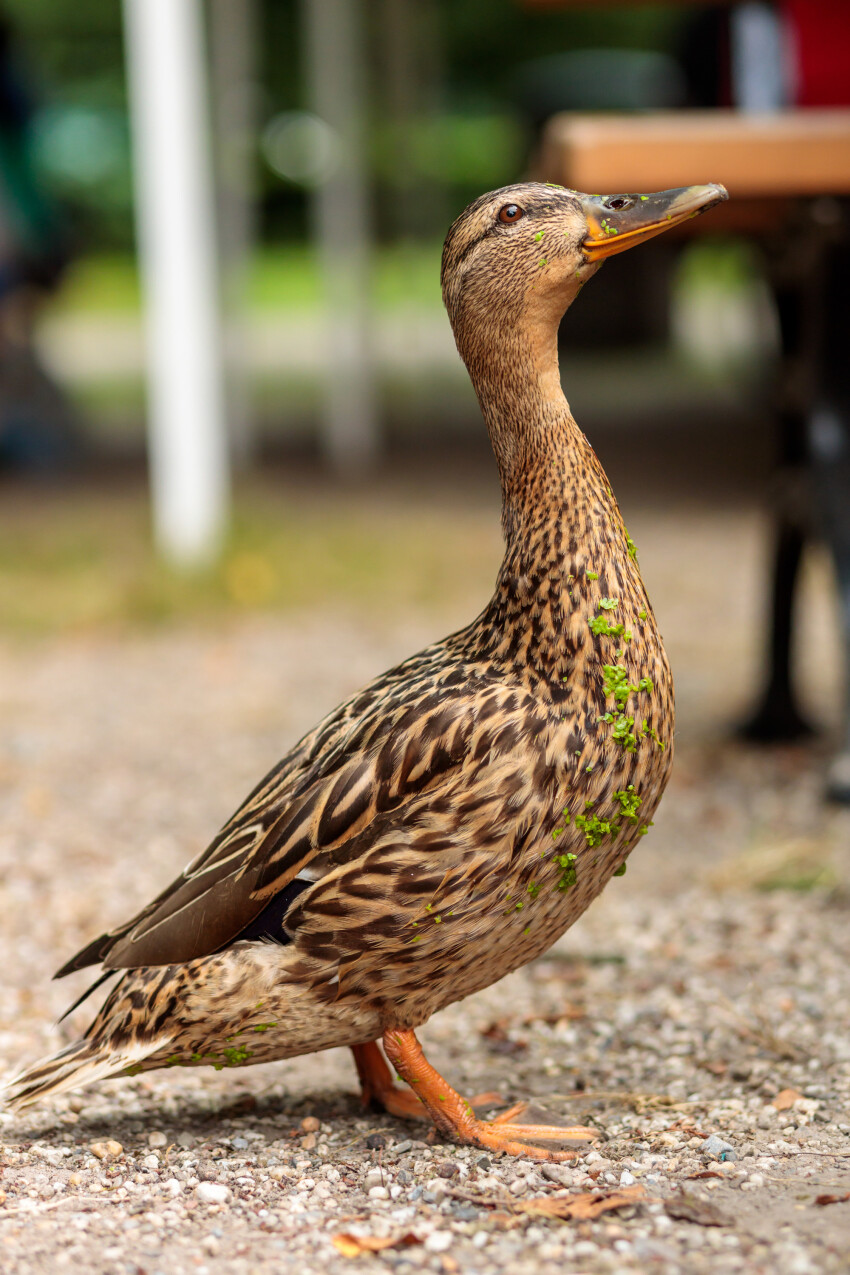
(454,1116)
(377,1087)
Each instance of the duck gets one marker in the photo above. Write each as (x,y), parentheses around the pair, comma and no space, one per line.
(453,818)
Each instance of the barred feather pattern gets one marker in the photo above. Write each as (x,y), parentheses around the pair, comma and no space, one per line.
(459,813)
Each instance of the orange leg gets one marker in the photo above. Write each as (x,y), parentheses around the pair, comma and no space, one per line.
(377,1088)
(455,1117)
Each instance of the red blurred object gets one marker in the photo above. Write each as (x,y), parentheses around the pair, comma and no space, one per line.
(821,41)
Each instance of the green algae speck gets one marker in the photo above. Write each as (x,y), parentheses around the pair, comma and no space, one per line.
(616,683)
(602,627)
(592,575)
(608,604)
(621,871)
(624,733)
(629,801)
(566,862)
(595,829)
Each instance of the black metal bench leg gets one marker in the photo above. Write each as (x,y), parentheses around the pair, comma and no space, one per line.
(829,451)
(777,717)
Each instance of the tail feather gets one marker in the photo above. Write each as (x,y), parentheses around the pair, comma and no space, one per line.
(78,1064)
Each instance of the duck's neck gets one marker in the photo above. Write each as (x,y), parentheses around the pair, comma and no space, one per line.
(561,522)
(549,473)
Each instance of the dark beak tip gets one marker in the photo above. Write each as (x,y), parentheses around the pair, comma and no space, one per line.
(719,193)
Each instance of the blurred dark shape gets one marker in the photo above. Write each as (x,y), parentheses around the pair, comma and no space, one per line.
(811,290)
(37,430)
(600,80)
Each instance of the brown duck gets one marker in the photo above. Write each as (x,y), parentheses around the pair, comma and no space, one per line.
(450,821)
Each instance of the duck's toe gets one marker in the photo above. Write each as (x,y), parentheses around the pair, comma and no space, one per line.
(454,1116)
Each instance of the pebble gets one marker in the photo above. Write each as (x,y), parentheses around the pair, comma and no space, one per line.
(439,1242)
(109,1150)
(212,1193)
(715,1146)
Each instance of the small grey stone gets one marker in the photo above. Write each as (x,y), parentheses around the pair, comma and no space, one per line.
(714,1146)
(446,1169)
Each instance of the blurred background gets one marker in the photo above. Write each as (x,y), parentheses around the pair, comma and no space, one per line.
(228,388)
(242,469)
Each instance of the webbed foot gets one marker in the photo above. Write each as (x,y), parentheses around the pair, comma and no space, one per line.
(454,1116)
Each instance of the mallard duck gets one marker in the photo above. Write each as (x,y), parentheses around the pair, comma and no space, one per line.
(451,820)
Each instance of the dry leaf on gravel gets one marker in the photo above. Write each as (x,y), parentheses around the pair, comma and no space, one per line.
(355,1245)
(581,1207)
(832,1199)
(786,1099)
(689,1208)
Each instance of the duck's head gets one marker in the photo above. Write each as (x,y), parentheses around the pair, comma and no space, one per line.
(517,257)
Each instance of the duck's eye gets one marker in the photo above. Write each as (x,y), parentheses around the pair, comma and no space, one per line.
(510,213)
(619,202)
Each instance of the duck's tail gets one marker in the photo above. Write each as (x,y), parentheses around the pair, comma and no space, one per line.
(76,1065)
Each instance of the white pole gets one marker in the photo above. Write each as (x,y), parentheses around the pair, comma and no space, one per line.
(234,53)
(336,76)
(174,207)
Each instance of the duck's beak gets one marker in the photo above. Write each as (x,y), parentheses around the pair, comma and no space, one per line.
(618,222)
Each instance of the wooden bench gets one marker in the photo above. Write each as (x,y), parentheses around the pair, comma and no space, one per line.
(788,175)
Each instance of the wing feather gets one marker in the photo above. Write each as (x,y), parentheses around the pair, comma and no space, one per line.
(329,797)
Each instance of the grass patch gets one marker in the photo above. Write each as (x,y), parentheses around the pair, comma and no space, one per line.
(82,559)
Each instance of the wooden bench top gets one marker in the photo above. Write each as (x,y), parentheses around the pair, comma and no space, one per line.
(781,155)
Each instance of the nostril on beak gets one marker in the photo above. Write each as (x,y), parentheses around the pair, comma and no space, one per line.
(618,202)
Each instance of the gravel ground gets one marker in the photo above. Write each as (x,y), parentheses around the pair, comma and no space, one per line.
(697,1015)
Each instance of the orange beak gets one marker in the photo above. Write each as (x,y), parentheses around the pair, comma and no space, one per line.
(618,222)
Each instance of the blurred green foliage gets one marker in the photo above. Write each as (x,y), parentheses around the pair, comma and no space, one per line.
(281,277)
(464,134)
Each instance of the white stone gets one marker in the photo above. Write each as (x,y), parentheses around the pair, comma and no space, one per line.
(439,1241)
(212,1193)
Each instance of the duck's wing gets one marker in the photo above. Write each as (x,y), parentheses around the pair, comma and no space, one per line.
(328,798)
